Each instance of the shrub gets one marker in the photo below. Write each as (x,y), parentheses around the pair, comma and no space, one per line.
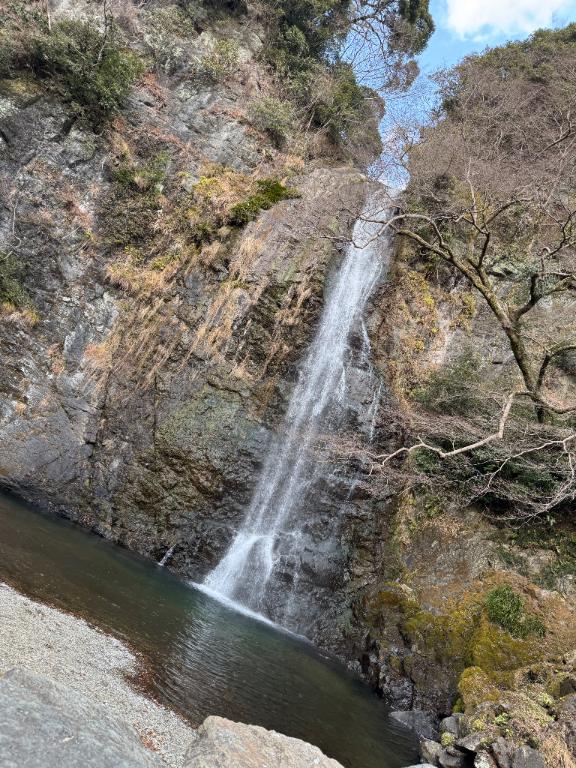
(88,68)
(222,61)
(131,209)
(453,388)
(273,116)
(269,193)
(505,608)
(11,289)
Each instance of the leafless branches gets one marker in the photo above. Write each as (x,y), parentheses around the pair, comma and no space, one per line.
(491,201)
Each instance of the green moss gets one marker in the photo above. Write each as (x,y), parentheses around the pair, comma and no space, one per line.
(447,739)
(458,707)
(269,192)
(505,608)
(11,289)
(495,650)
(475,688)
(545,700)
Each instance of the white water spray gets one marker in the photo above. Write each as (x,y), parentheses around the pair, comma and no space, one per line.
(275,518)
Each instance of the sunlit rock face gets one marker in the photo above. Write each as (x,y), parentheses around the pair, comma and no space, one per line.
(142,400)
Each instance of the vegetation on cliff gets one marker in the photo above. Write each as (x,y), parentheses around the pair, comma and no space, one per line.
(92,69)
(489,218)
(476,584)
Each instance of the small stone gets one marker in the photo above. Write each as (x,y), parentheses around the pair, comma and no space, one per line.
(430,751)
(526,757)
(474,741)
(451,725)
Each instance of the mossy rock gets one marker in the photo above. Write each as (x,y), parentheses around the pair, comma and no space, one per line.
(494,649)
(476,688)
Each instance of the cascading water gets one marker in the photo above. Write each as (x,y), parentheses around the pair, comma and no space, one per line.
(272,530)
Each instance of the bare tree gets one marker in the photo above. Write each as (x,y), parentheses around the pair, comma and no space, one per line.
(491,200)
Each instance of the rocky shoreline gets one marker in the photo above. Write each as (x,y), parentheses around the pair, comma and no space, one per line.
(45,641)
(66,699)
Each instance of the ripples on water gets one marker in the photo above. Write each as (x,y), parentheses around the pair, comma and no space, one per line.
(204,657)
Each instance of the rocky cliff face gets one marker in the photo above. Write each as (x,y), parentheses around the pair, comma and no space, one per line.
(161,279)
(145,373)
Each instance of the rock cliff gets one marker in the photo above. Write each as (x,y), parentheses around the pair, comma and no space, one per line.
(163,276)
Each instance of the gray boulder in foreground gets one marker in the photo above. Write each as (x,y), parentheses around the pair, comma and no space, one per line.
(221,743)
(46,725)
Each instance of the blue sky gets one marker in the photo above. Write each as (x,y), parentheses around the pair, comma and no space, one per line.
(469,26)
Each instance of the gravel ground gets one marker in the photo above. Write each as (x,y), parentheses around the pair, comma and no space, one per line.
(49,642)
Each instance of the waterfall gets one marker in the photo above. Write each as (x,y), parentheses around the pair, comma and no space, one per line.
(272,528)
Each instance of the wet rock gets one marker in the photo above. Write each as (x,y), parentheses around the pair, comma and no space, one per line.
(46,725)
(420,721)
(526,757)
(222,743)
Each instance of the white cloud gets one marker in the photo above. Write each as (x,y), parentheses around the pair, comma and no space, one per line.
(494,17)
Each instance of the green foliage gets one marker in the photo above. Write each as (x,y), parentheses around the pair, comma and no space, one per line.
(269,193)
(305,49)
(417,14)
(343,106)
(505,608)
(273,116)
(454,388)
(89,69)
(532,58)
(221,62)
(11,289)
(307,30)
(133,205)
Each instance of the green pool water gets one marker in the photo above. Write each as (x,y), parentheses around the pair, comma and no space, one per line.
(204,658)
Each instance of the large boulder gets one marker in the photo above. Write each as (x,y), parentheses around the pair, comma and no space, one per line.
(222,743)
(418,720)
(46,725)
